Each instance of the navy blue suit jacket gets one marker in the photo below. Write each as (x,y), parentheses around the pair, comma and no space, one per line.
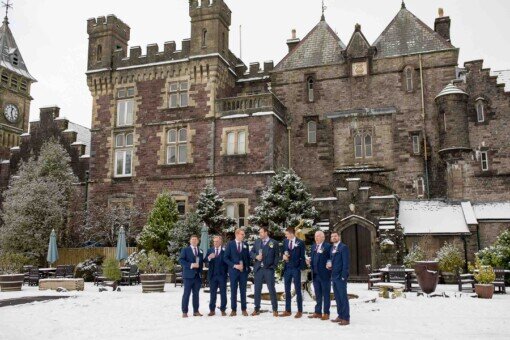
(270,254)
(297,255)
(319,260)
(340,262)
(217,266)
(232,257)
(186,259)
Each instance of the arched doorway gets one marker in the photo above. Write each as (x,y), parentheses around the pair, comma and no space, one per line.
(359,235)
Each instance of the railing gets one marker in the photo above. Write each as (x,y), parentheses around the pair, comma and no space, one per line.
(248,104)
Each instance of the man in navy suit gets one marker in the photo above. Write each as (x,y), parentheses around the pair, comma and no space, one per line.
(294,257)
(266,254)
(192,262)
(339,275)
(321,276)
(217,275)
(237,258)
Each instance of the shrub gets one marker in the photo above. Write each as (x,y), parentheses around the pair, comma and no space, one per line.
(111,270)
(415,254)
(450,258)
(483,274)
(87,268)
(497,255)
(181,233)
(12,263)
(154,263)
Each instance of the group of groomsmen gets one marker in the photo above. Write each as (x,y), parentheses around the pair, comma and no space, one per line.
(329,266)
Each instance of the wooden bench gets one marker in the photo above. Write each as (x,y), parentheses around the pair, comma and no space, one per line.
(373,278)
(466,279)
(390,290)
(499,282)
(69,284)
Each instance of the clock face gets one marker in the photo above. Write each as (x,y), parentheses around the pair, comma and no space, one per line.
(11,113)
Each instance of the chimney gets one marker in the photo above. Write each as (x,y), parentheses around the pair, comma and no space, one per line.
(442,25)
(293,42)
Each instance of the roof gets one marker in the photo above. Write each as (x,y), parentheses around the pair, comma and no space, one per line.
(432,217)
(450,89)
(492,211)
(10,56)
(406,34)
(321,46)
(83,135)
(503,78)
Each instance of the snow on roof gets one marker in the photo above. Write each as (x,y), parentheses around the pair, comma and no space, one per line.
(503,78)
(469,213)
(492,211)
(83,135)
(432,217)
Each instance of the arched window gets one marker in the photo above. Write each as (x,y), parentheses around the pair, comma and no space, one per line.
(204,37)
(480,111)
(368,145)
(99,52)
(409,79)
(309,87)
(358,146)
(312,132)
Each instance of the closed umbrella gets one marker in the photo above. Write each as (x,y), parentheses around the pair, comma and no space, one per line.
(204,239)
(121,253)
(52,249)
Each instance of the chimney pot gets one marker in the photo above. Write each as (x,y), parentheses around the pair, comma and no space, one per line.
(440,12)
(294,34)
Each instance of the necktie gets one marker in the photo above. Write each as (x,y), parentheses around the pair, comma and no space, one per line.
(334,249)
(217,252)
(195,251)
(239,247)
(291,245)
(317,249)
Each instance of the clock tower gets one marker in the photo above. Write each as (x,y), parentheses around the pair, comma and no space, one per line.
(15,83)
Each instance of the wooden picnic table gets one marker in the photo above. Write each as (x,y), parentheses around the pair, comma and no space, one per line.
(408,276)
(45,272)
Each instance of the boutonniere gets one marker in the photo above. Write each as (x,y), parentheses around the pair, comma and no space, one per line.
(200,251)
(319,251)
(271,245)
(297,244)
(245,246)
(222,249)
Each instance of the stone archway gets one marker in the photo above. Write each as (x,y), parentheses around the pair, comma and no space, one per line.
(359,234)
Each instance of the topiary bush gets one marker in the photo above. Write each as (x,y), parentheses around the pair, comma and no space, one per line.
(87,268)
(450,258)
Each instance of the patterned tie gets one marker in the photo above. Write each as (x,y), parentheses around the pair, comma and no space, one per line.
(217,252)
(291,245)
(195,251)
(239,247)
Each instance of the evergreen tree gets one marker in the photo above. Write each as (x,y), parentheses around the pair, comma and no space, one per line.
(211,212)
(157,232)
(181,233)
(286,202)
(37,201)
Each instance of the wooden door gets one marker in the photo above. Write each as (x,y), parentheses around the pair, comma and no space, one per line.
(358,239)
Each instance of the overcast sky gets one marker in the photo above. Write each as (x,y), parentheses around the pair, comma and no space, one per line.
(52,37)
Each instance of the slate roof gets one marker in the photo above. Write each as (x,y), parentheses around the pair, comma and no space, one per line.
(9,51)
(406,34)
(320,47)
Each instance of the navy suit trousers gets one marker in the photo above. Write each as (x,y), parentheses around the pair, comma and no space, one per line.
(322,290)
(191,286)
(342,300)
(218,282)
(293,274)
(265,276)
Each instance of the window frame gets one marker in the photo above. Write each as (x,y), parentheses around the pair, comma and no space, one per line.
(480,113)
(232,147)
(409,78)
(178,93)
(312,132)
(416,144)
(370,145)
(310,89)
(359,145)
(124,150)
(484,158)
(178,145)
(420,187)
(236,205)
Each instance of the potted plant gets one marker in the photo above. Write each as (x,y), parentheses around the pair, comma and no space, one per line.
(451,262)
(484,276)
(11,276)
(112,273)
(154,268)
(427,272)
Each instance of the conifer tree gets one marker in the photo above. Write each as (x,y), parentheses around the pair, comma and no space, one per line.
(211,212)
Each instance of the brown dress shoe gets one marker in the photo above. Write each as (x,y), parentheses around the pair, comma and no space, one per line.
(315,316)
(325,317)
(285,314)
(255,313)
(233,313)
(344,323)
(275,314)
(245,313)
(337,320)
(184,315)
(197,314)
(211,314)
(223,313)
(298,315)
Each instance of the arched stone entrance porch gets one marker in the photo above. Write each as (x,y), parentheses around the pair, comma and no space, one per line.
(359,234)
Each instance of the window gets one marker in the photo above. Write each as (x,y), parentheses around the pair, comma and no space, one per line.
(312,132)
(309,86)
(24,86)
(204,37)
(5,79)
(420,187)
(237,211)
(368,146)
(125,106)
(358,146)
(181,207)
(416,144)
(480,111)
(178,94)
(409,79)
(15,59)
(177,146)
(123,154)
(99,52)
(484,156)
(236,142)
(14,83)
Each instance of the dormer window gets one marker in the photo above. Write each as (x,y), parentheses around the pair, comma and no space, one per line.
(15,59)
(309,87)
(480,111)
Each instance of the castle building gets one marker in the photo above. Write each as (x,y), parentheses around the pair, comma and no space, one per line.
(381,133)
(15,83)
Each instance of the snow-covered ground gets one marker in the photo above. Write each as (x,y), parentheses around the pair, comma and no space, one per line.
(129,314)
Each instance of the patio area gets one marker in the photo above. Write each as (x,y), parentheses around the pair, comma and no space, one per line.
(115,315)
